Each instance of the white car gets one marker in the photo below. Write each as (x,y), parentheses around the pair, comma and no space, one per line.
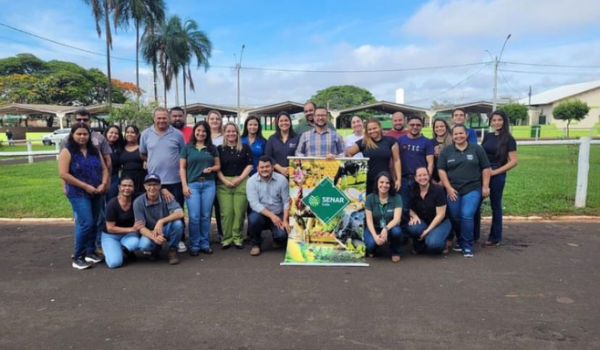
(56,137)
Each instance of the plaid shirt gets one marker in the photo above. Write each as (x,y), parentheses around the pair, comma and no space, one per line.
(313,144)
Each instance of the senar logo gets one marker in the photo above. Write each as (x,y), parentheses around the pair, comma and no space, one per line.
(314,201)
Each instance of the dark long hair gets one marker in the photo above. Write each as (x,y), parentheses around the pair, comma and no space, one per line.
(277,130)
(208,141)
(259,134)
(73,147)
(135,129)
(503,137)
(118,145)
(392,190)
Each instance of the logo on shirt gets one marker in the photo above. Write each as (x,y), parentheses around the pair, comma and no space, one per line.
(469,157)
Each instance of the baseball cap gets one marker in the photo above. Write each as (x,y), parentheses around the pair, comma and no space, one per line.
(152,177)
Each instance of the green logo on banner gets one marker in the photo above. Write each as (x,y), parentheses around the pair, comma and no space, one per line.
(326,201)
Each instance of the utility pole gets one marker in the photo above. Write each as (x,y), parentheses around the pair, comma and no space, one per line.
(497,61)
(238,67)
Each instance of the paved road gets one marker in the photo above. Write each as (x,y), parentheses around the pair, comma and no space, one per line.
(537,291)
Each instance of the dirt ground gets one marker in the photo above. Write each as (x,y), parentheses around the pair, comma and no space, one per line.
(539,290)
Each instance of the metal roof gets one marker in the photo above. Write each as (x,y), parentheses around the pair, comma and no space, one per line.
(560,93)
(274,109)
(385,107)
(470,107)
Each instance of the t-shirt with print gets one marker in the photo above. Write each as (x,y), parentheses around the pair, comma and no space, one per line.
(413,153)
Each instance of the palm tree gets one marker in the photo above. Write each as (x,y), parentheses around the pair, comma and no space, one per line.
(197,44)
(151,46)
(101,10)
(147,13)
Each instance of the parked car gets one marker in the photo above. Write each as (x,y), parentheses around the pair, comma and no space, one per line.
(56,137)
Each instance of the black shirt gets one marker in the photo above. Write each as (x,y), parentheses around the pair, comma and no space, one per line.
(131,161)
(464,167)
(379,157)
(115,157)
(116,214)
(233,162)
(426,208)
(280,151)
(490,142)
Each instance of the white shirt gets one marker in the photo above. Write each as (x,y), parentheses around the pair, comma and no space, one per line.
(350,140)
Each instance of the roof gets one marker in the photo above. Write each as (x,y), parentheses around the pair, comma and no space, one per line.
(385,107)
(470,107)
(274,109)
(561,93)
(23,108)
(204,108)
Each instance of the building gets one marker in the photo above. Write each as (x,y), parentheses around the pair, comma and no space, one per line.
(542,105)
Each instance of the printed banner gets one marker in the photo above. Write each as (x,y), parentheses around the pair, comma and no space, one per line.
(327,212)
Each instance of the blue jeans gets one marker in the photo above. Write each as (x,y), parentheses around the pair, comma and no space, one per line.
(462,211)
(435,241)
(172,231)
(199,206)
(407,183)
(394,237)
(496,191)
(257,222)
(114,187)
(87,211)
(113,244)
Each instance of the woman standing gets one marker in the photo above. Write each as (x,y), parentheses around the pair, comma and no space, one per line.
(441,138)
(131,163)
(115,140)
(282,144)
(121,236)
(215,120)
(236,160)
(501,150)
(252,136)
(465,172)
(357,134)
(85,175)
(198,164)
(383,210)
(379,149)
(428,226)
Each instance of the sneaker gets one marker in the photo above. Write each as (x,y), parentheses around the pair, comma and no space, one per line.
(181,248)
(81,264)
(194,252)
(255,251)
(94,258)
(467,253)
(456,248)
(173,259)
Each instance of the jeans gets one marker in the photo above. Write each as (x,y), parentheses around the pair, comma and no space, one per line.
(172,232)
(435,241)
(462,211)
(199,206)
(233,202)
(257,222)
(113,244)
(176,190)
(114,187)
(496,190)
(394,237)
(405,188)
(86,210)
(101,222)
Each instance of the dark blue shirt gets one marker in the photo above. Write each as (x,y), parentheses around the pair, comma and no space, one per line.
(84,168)
(257,148)
(413,153)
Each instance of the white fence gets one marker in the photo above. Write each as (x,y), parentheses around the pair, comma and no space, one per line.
(30,153)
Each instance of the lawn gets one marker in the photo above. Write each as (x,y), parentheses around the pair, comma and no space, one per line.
(543,184)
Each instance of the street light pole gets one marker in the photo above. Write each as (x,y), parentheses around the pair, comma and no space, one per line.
(238,67)
(497,61)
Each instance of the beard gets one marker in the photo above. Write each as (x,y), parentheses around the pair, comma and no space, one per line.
(178,124)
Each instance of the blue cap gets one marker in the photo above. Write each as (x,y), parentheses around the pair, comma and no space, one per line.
(152,177)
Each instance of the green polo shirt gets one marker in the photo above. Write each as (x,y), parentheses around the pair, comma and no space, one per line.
(376,208)
(464,167)
(198,160)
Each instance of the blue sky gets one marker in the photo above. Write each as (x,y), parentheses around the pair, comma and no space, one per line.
(343,36)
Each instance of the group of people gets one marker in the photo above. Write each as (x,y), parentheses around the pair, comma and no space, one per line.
(128,189)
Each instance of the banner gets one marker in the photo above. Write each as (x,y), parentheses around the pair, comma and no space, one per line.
(327,212)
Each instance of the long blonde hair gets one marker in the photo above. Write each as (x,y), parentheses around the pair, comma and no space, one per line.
(238,145)
(367,141)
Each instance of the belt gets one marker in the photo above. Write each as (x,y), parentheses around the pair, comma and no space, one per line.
(201,179)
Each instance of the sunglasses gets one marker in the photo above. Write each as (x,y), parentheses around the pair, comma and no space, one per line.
(82,119)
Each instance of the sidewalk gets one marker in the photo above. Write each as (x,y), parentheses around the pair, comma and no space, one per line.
(536,291)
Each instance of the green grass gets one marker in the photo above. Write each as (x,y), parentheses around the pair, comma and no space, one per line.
(542,184)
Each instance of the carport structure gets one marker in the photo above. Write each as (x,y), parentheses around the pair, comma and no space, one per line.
(54,111)
(385,107)
(472,108)
(267,114)
(229,113)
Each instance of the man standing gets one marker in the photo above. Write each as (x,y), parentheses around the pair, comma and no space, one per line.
(459,117)
(268,195)
(178,122)
(321,141)
(161,219)
(309,123)
(415,151)
(9,137)
(398,129)
(159,146)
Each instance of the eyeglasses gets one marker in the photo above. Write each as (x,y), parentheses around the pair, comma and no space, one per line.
(81,120)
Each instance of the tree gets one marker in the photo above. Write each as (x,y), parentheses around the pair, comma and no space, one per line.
(151,46)
(23,63)
(133,113)
(147,13)
(344,96)
(571,110)
(515,112)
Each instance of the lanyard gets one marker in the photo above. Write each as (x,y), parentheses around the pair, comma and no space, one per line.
(383,211)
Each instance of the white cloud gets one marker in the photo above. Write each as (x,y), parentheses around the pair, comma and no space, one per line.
(484,18)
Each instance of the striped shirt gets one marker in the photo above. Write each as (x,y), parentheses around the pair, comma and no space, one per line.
(314,144)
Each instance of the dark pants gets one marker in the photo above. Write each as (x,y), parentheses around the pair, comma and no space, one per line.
(257,222)
(406,185)
(176,190)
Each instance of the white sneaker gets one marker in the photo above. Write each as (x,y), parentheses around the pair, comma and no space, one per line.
(181,248)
